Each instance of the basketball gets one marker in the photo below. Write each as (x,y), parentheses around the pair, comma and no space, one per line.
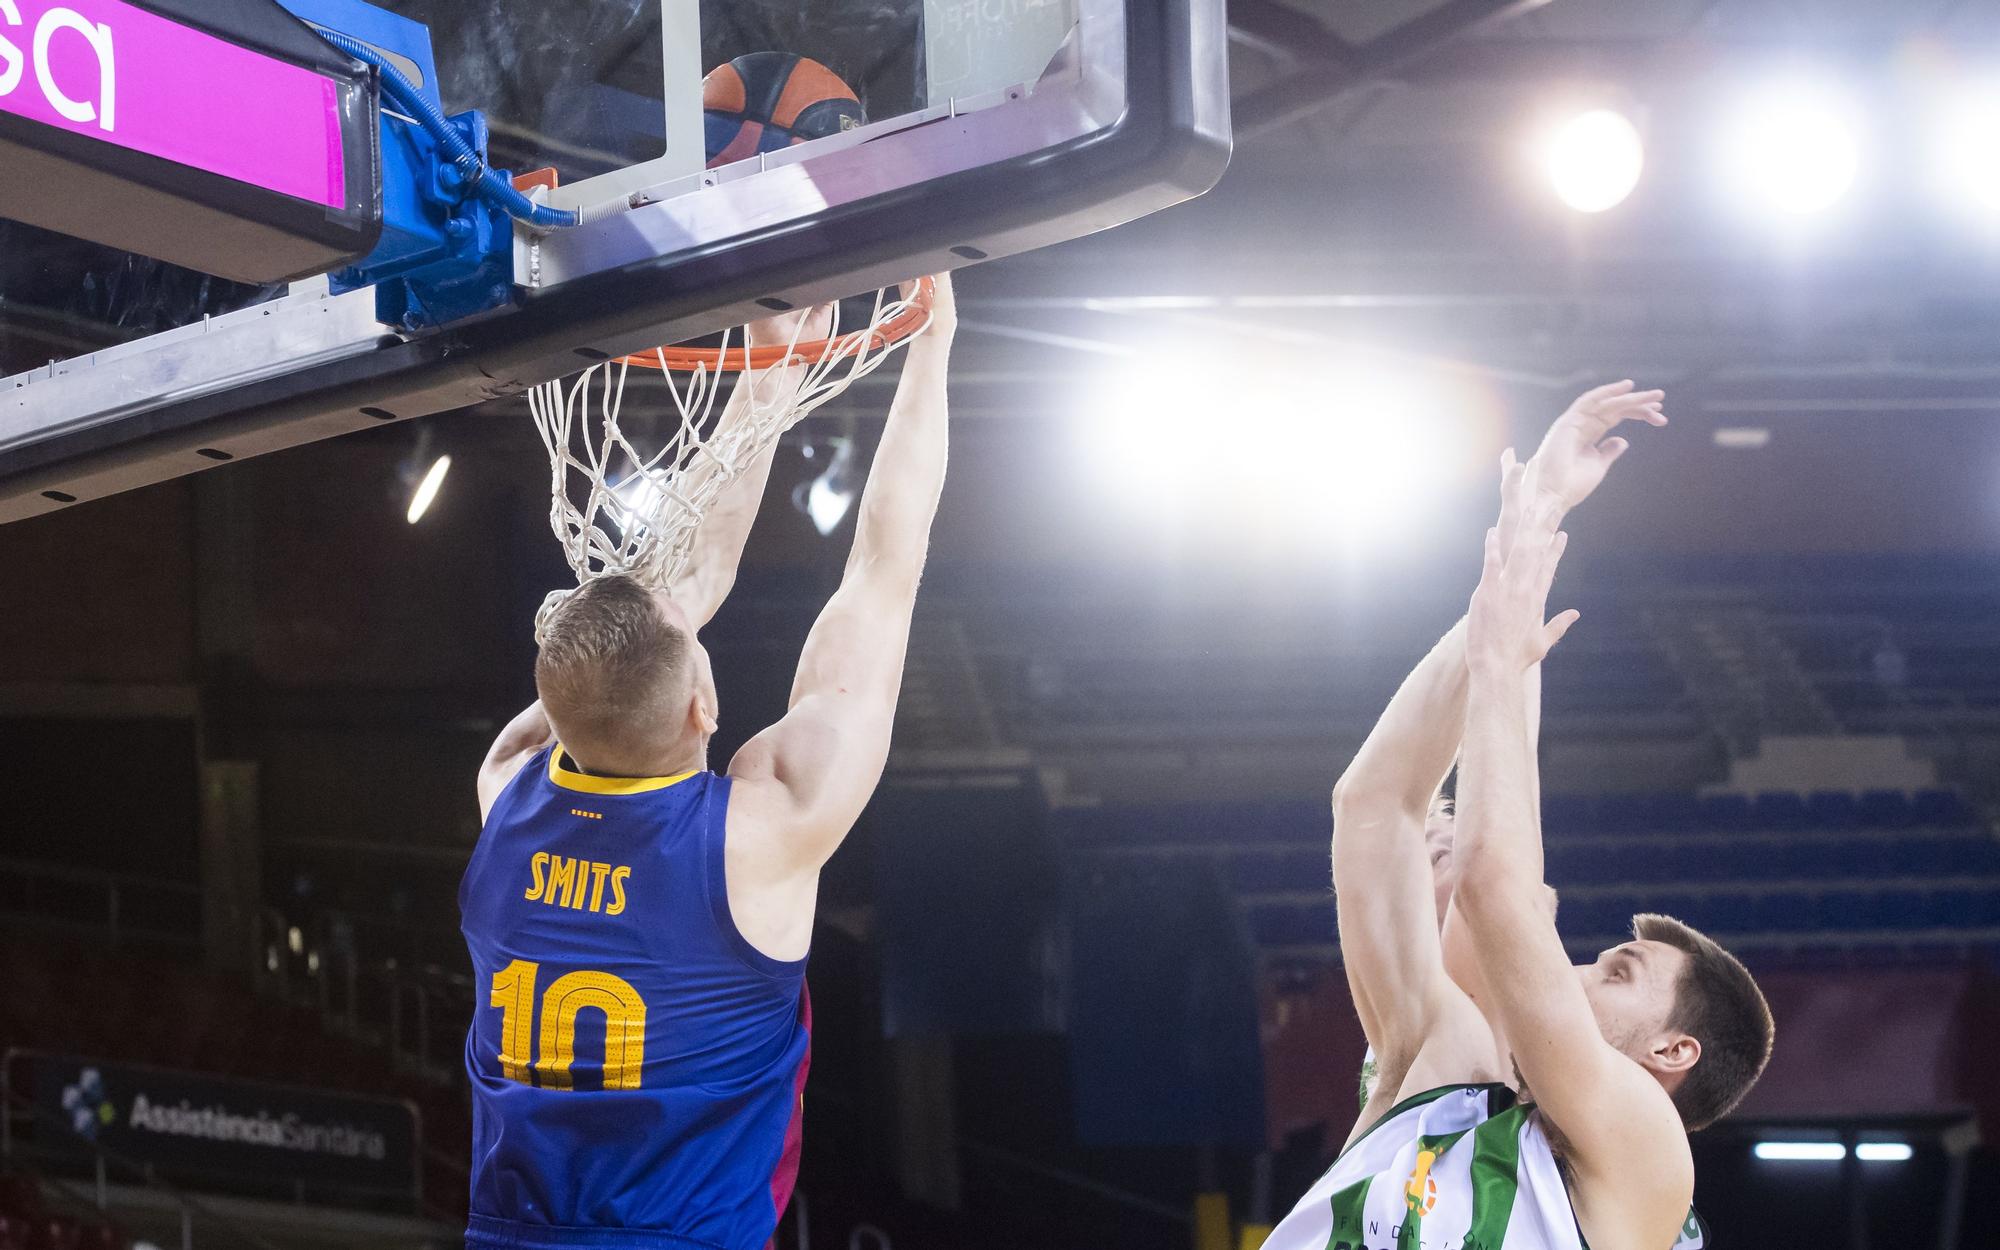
(770,100)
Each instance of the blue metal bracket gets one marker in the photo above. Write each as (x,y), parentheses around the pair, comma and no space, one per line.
(445,253)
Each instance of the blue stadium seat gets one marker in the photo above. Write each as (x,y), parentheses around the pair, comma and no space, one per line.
(1939,807)
(1780,811)
(1721,862)
(1970,909)
(1781,913)
(1928,854)
(1594,917)
(1871,857)
(1569,813)
(1646,860)
(1978,852)
(1832,809)
(1286,925)
(1621,813)
(1711,913)
(1886,809)
(1279,870)
(1725,813)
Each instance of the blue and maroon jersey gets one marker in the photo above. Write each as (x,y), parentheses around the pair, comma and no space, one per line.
(638,1068)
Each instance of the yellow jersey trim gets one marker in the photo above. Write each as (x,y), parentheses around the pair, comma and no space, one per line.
(570,779)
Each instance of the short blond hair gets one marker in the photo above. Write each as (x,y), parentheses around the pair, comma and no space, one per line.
(613,671)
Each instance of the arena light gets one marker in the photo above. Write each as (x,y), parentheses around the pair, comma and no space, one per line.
(1968,138)
(427,489)
(1794,152)
(1368,437)
(1296,450)
(1594,160)
(1145,423)
(1884,1152)
(1800,1151)
(827,498)
(1742,437)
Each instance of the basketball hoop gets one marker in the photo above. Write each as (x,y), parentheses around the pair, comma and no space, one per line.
(618,508)
(902,320)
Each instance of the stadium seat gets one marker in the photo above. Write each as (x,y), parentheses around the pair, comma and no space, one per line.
(1780,913)
(1569,814)
(1780,811)
(1939,807)
(1886,809)
(1282,925)
(1832,810)
(1725,813)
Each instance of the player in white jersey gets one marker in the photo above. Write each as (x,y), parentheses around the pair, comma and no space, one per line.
(1542,1105)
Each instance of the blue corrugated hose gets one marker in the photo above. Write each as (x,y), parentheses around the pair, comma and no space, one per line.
(485,180)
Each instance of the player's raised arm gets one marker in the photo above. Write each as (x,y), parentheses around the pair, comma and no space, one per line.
(801,783)
(718,543)
(526,734)
(1626,1143)
(1382,872)
(710,572)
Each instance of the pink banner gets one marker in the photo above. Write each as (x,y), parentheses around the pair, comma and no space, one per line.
(109,71)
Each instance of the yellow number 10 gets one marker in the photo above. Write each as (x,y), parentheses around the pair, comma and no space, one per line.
(624,1025)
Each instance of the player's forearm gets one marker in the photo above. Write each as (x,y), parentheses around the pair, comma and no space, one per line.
(718,543)
(892,528)
(1499,846)
(1412,746)
(528,731)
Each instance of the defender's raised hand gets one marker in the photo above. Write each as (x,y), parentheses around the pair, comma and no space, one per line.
(1506,630)
(1576,454)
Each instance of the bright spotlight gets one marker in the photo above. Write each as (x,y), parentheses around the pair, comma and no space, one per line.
(1795,152)
(1279,451)
(1884,1152)
(827,507)
(426,492)
(1800,1151)
(1967,155)
(1369,444)
(1594,160)
(1742,437)
(1146,426)
(827,498)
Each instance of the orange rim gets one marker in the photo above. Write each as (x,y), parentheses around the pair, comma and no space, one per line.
(743,359)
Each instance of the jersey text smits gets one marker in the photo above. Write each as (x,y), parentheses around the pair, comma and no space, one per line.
(637,1066)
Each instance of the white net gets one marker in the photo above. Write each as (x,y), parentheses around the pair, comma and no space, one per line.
(625,504)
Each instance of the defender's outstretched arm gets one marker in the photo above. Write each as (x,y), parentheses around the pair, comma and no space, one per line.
(1382,874)
(801,784)
(1635,1176)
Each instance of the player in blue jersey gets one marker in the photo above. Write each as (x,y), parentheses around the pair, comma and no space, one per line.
(638,924)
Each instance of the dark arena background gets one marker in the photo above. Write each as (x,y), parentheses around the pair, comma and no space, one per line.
(1217,482)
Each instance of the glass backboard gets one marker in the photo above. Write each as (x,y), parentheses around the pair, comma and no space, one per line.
(983,128)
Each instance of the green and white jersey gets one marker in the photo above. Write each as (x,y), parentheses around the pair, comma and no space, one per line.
(1465,1167)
